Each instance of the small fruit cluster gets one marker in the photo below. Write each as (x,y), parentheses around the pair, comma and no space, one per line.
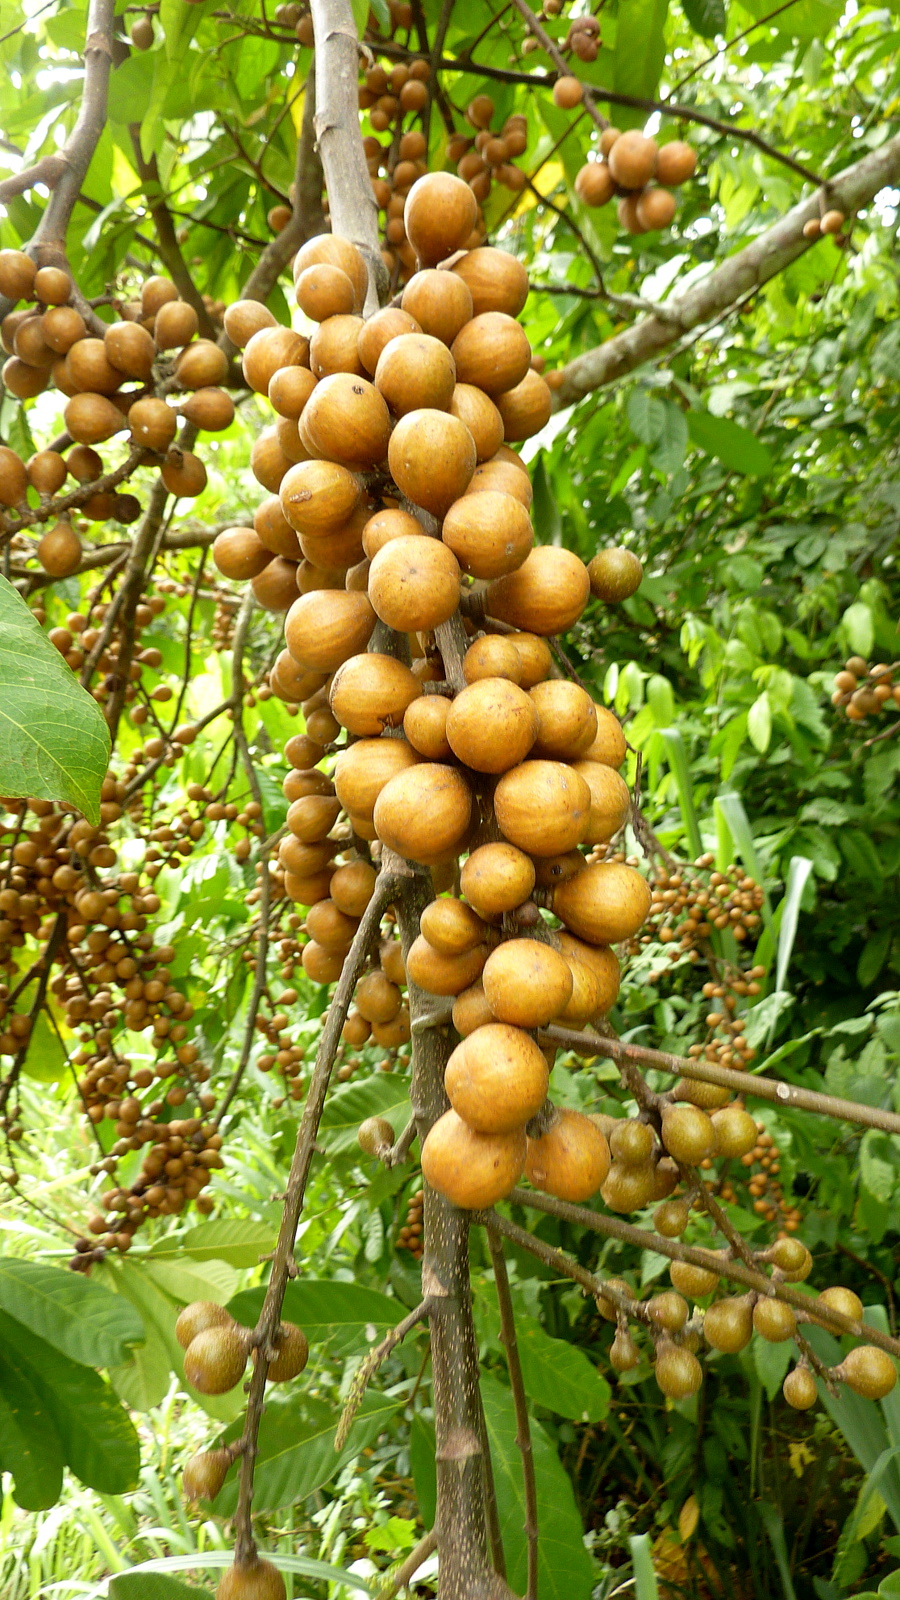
(410,1235)
(830,223)
(216,1349)
(763,1186)
(691,907)
(727,1324)
(114,381)
(865,691)
(641,172)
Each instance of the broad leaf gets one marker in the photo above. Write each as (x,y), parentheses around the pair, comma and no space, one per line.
(640,54)
(54,742)
(153,1586)
(342,1317)
(559,1376)
(74,1315)
(29,1444)
(736,447)
(296,1448)
(565,1570)
(189,1279)
(706,17)
(385,1094)
(240,1244)
(96,1435)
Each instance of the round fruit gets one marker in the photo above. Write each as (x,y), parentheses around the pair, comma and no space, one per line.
(424,813)
(492,656)
(425,726)
(675,163)
(526,408)
(205,1474)
(496,878)
(338,252)
(792,1259)
(443,974)
(497,1079)
(375,1136)
(491,725)
(799,1389)
(609,747)
(632,1142)
(526,983)
(199,1316)
(695,1282)
(413,583)
(323,290)
(91,418)
(451,926)
(471,1170)
(624,1354)
(604,904)
(243,320)
(492,352)
(346,420)
(677,1371)
(594,184)
(570,1160)
(615,574)
(215,1359)
(379,330)
(545,595)
(632,159)
(688,1134)
(567,721)
(276,586)
(318,496)
(59,551)
(440,303)
(844,1301)
(293,1354)
(253,1580)
(327,626)
(480,415)
(489,532)
(416,371)
(668,1311)
(728,1324)
(774,1320)
(431,458)
(627,1188)
(495,280)
(439,215)
(543,808)
(654,209)
(371,692)
(868,1371)
(735,1132)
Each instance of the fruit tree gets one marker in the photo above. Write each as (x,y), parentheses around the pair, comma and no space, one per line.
(419,516)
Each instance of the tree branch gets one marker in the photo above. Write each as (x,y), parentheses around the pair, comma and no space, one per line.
(166,237)
(715,295)
(79,148)
(743,1083)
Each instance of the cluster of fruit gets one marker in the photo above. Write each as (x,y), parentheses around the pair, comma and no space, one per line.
(410,1235)
(726,1325)
(637,169)
(216,1351)
(865,691)
(115,381)
(691,906)
(763,1187)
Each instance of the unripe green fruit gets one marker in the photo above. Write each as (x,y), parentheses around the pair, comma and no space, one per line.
(214,1361)
(844,1301)
(608,1308)
(693,1281)
(632,1142)
(792,1258)
(623,1352)
(375,1136)
(615,574)
(688,1134)
(736,1132)
(668,1311)
(774,1320)
(868,1371)
(205,1474)
(627,1188)
(199,1316)
(678,1372)
(799,1389)
(259,1580)
(671,1218)
(293,1354)
(728,1324)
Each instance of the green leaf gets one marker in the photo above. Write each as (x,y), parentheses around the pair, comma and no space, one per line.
(771,1362)
(143,1382)
(639,55)
(858,625)
(759,723)
(301,1566)
(559,1375)
(29,1444)
(240,1244)
(737,448)
(661,700)
(296,1448)
(646,415)
(789,914)
(385,1094)
(706,17)
(97,1437)
(54,742)
(342,1316)
(74,1315)
(179,24)
(422,1446)
(681,772)
(873,956)
(645,1585)
(46,1058)
(153,1586)
(189,1280)
(565,1570)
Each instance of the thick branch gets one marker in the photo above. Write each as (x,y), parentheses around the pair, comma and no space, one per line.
(720,292)
(354,213)
(743,1083)
(79,148)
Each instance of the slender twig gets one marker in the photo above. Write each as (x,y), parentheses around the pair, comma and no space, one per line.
(166,237)
(517,1385)
(408,1569)
(744,1083)
(283,1263)
(550,49)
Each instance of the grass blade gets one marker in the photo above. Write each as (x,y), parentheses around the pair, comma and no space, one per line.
(798,872)
(644,1575)
(681,772)
(774,1528)
(732,808)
